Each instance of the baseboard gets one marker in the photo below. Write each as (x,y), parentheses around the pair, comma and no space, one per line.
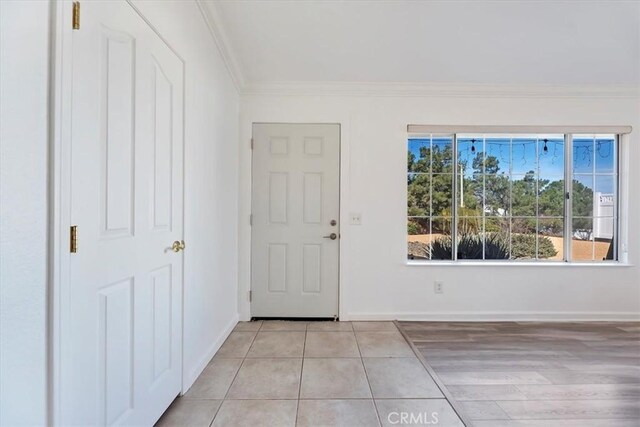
(189,379)
(484,316)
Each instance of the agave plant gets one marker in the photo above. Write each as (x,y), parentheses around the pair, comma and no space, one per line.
(496,247)
(470,247)
(440,248)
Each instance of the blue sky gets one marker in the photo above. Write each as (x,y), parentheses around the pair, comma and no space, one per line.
(519,156)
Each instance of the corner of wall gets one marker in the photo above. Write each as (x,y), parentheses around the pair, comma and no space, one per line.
(193,375)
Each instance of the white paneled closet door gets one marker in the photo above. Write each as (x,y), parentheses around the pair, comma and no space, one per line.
(121,339)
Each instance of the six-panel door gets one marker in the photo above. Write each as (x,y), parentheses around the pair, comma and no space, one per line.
(295,207)
(121,334)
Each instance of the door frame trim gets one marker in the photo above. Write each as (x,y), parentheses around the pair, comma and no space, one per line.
(340,197)
(59,191)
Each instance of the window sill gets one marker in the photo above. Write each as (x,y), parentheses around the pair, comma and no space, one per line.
(410,263)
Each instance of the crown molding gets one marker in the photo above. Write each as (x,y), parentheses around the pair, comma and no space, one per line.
(440,90)
(212,18)
(216,29)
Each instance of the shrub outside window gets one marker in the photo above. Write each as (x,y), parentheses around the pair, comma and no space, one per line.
(521,197)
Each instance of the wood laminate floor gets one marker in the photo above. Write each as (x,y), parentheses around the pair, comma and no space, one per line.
(535,374)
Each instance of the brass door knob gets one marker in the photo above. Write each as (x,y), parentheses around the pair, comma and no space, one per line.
(178,246)
(332,236)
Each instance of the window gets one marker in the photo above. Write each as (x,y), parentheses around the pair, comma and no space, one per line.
(535,197)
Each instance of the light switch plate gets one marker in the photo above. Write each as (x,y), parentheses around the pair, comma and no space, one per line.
(355,218)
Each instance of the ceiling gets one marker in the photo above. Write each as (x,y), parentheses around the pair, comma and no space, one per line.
(454,42)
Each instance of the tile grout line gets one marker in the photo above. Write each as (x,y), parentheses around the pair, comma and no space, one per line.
(455,405)
(236,374)
(234,377)
(497,403)
(216,414)
(304,347)
(375,405)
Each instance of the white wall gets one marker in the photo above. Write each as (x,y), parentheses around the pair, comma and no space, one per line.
(376,282)
(211,176)
(24,86)
(211,205)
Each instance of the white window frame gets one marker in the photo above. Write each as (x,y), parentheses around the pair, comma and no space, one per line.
(621,192)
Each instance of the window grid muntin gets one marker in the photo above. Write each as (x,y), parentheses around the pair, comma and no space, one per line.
(454,203)
(567,219)
(594,174)
(443,140)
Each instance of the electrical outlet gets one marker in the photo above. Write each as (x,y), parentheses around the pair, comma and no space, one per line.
(355,218)
(438,287)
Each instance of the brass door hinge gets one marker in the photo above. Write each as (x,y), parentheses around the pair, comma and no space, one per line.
(76,15)
(73,239)
(252,143)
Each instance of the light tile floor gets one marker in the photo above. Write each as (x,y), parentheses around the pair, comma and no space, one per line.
(279,373)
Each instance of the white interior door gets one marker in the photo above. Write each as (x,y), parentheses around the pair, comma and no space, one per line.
(121,336)
(295,224)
